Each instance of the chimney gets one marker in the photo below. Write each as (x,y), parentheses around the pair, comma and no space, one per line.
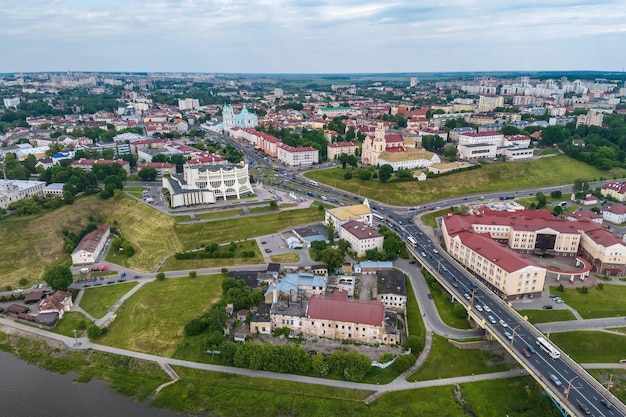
(274,292)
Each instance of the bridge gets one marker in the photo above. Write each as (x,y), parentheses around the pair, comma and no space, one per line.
(571,388)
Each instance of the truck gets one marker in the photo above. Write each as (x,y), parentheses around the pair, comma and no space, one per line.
(100,268)
(84,270)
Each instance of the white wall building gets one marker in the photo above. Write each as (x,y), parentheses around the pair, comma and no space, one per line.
(204,184)
(90,246)
(16,190)
(361,237)
(295,157)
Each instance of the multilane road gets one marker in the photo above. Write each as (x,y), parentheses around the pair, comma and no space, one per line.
(578,392)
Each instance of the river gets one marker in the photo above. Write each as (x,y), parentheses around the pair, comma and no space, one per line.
(29,391)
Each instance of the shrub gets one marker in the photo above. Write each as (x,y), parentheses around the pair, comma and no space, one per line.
(160,276)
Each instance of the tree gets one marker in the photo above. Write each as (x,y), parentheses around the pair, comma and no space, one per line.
(365,174)
(385,172)
(542,200)
(557,211)
(416,344)
(94,331)
(552,135)
(273,205)
(580,185)
(556,194)
(510,130)
(330,227)
(59,277)
(147,174)
(352,161)
(193,274)
(343,158)
(451,153)
(160,276)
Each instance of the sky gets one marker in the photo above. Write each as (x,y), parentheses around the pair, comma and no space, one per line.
(307,36)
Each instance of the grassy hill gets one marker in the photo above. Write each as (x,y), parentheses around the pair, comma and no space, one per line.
(491,177)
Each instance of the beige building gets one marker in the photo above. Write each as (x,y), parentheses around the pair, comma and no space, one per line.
(338,317)
(615,190)
(486,103)
(340,215)
(337,148)
(409,159)
(361,237)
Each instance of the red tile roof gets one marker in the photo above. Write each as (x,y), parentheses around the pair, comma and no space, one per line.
(618,187)
(393,137)
(616,209)
(342,145)
(339,308)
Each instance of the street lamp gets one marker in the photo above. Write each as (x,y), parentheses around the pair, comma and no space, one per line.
(513,336)
(569,386)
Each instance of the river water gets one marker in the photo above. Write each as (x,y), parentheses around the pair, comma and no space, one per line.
(29,391)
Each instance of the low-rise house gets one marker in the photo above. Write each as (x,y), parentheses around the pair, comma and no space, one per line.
(58,302)
(615,213)
(261,321)
(391,289)
(371,267)
(90,246)
(361,237)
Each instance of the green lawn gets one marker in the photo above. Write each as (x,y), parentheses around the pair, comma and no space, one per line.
(429,218)
(546,316)
(173,264)
(135,191)
(70,321)
(608,302)
(445,307)
(592,346)
(490,178)
(98,300)
(152,320)
(413,316)
(285,258)
(222,231)
(220,214)
(447,361)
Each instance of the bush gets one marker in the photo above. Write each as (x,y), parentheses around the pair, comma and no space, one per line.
(193,274)
(403,363)
(416,344)
(347,175)
(94,331)
(160,276)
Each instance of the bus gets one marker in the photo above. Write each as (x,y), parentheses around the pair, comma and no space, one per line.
(547,346)
(412,240)
(378,217)
(313,183)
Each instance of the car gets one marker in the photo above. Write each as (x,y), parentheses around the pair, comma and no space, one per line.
(467,296)
(492,320)
(559,301)
(444,269)
(584,408)
(508,335)
(606,403)
(479,307)
(86,285)
(110,282)
(503,323)
(121,280)
(553,296)
(263,243)
(412,262)
(555,380)
(487,308)
(137,276)
(268,251)
(525,353)
(423,254)
(97,284)
(430,296)
(455,285)
(547,307)
(435,251)
(123,275)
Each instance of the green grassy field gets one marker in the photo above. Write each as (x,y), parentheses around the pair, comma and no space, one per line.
(592,346)
(285,258)
(609,302)
(152,319)
(546,316)
(219,214)
(70,321)
(490,178)
(173,264)
(193,235)
(445,308)
(429,219)
(416,325)
(98,300)
(135,191)
(446,360)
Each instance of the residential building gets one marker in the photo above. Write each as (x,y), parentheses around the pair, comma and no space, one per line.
(391,289)
(16,190)
(340,215)
(261,322)
(54,189)
(87,164)
(204,184)
(592,118)
(297,157)
(295,286)
(371,267)
(91,246)
(162,168)
(615,190)
(337,148)
(486,103)
(615,213)
(585,214)
(409,159)
(361,237)
(188,103)
(59,302)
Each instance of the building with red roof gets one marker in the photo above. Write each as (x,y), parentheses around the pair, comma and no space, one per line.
(616,190)
(297,156)
(337,148)
(615,213)
(493,245)
(338,317)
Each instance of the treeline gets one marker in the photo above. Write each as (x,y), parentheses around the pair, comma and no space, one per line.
(214,251)
(604,147)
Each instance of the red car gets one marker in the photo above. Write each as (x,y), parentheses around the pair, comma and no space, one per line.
(525,353)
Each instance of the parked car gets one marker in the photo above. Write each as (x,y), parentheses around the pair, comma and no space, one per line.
(268,251)
(430,296)
(137,276)
(547,307)
(110,282)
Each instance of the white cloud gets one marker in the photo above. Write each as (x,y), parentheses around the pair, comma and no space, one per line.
(307,35)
